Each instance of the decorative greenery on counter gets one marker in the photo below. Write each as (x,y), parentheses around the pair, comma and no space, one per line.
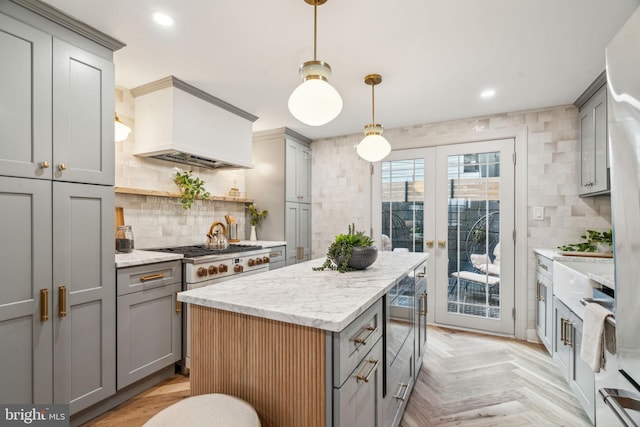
(343,247)
(191,187)
(255,216)
(593,240)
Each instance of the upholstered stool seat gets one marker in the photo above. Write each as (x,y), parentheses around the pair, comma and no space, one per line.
(210,410)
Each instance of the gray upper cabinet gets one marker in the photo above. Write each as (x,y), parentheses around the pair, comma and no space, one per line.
(298,172)
(83,99)
(594,163)
(61,97)
(25,100)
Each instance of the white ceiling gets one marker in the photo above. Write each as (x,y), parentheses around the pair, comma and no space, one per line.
(435,56)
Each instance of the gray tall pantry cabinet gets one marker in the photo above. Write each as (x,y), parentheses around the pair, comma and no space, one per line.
(281,183)
(57,304)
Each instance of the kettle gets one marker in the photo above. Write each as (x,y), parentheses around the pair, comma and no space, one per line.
(219,240)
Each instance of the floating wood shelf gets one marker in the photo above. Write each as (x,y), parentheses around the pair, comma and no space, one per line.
(142,192)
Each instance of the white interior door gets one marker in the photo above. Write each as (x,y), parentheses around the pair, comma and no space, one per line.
(456,202)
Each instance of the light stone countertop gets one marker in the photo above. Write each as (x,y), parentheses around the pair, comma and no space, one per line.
(138,257)
(554,255)
(296,294)
(263,243)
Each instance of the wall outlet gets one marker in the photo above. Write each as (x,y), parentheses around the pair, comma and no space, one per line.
(538,213)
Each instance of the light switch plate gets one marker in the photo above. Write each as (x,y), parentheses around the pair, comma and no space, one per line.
(538,213)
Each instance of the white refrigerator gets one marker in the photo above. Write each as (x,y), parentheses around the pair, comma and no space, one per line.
(620,398)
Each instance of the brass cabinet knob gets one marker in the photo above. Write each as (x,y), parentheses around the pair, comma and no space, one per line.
(62,167)
(442,243)
(428,243)
(45,164)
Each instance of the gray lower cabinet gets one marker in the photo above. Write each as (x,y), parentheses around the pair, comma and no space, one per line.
(567,346)
(149,322)
(544,303)
(358,369)
(57,305)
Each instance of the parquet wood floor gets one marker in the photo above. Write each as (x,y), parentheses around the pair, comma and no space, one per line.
(467,379)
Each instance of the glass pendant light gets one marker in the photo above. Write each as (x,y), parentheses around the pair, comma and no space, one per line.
(374,147)
(315,102)
(121,130)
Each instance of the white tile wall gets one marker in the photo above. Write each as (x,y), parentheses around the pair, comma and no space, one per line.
(161,221)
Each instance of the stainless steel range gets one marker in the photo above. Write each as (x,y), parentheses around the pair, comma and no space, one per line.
(203,266)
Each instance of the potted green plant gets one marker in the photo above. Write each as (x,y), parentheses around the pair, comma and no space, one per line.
(595,241)
(191,187)
(255,218)
(349,252)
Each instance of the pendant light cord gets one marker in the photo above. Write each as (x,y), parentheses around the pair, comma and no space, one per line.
(373,105)
(315,25)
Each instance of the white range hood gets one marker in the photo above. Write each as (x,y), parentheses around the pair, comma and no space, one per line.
(177,122)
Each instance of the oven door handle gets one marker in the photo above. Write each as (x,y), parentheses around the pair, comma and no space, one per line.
(619,400)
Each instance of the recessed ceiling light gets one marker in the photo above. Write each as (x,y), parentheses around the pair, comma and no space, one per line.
(488,93)
(163,19)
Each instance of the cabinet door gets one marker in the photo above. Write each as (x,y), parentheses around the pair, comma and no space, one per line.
(25,100)
(298,172)
(594,177)
(543,325)
(358,401)
(25,262)
(149,332)
(561,346)
(582,377)
(83,116)
(298,232)
(83,259)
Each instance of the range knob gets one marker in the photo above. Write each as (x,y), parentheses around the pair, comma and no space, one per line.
(201,272)
(258,261)
(222,268)
(265,259)
(213,270)
(238,268)
(251,262)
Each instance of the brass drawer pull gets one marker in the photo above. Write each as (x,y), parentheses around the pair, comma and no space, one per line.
(403,395)
(363,341)
(274,254)
(178,304)
(44,304)
(152,277)
(366,377)
(62,301)
(568,336)
(562,331)
(425,297)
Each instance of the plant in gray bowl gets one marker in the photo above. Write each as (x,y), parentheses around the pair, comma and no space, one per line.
(349,252)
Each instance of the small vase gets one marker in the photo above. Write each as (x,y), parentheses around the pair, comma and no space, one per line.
(253,233)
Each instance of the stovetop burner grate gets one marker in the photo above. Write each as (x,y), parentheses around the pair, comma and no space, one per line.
(201,250)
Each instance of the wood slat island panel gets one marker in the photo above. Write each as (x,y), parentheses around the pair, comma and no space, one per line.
(279,368)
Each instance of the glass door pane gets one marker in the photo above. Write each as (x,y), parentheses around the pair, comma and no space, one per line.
(474,234)
(403,205)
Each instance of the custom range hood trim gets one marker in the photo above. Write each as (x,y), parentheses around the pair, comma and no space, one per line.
(174,125)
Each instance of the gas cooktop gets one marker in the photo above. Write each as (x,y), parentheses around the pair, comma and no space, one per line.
(201,250)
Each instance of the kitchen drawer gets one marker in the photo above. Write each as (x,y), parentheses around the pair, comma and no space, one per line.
(358,403)
(352,344)
(141,277)
(544,265)
(277,257)
(399,385)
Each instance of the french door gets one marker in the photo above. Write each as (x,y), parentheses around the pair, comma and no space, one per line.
(456,202)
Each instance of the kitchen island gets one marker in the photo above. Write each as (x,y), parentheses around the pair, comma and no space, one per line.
(270,338)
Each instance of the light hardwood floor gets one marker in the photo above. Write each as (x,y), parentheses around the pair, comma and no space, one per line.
(466,379)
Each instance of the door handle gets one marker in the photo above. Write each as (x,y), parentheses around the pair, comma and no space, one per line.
(44,304)
(62,301)
(428,243)
(442,243)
